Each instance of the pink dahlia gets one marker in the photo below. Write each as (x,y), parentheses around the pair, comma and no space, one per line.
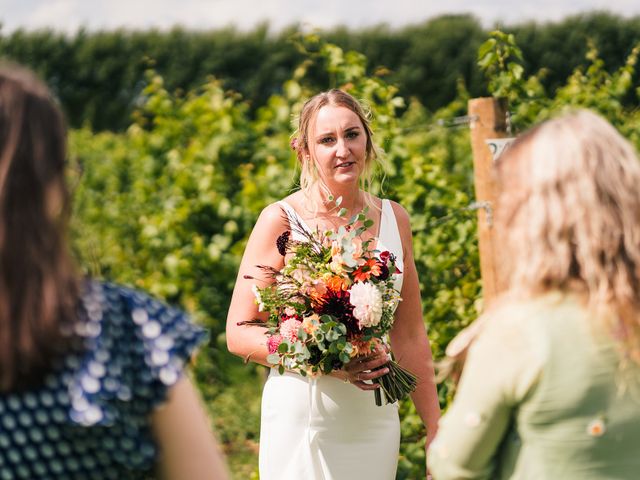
(289,329)
(273,343)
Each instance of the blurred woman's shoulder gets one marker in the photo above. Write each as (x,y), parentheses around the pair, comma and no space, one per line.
(130,326)
(536,322)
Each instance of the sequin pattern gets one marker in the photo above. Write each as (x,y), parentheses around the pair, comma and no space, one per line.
(89,420)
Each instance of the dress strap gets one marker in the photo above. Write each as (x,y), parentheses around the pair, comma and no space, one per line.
(389,236)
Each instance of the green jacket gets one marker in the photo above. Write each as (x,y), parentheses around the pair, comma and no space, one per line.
(542,396)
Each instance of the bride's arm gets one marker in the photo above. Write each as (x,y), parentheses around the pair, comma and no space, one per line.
(250,341)
(409,341)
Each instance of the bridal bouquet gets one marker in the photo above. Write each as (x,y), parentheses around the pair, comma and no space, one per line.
(333,299)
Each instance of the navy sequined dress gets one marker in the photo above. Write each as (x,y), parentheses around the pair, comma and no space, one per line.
(90,418)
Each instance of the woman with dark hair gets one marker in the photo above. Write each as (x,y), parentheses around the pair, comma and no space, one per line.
(91,374)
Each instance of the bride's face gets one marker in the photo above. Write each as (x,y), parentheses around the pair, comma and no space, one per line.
(338,145)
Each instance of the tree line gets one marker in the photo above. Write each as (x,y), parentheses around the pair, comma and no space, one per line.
(99,76)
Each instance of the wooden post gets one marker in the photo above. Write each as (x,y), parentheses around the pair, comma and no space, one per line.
(488,120)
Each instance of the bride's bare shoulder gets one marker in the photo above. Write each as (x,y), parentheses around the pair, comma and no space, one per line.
(272,218)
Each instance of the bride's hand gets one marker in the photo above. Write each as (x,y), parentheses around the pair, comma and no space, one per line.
(367,367)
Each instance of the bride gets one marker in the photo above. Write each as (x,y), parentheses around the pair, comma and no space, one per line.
(329,427)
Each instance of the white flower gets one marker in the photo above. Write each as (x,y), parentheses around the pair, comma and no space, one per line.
(346,249)
(301,273)
(352,252)
(256,293)
(367,300)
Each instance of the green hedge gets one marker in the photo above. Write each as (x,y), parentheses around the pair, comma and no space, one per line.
(99,76)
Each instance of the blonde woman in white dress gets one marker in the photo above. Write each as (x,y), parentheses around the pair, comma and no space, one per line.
(329,427)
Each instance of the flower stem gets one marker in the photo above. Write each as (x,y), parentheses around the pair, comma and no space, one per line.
(396,384)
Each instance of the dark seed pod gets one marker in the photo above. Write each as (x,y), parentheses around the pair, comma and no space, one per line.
(282,242)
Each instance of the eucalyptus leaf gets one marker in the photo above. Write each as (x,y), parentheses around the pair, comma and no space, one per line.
(344,357)
(273,358)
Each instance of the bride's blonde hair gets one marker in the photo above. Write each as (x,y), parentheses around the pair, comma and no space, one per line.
(309,176)
(569,218)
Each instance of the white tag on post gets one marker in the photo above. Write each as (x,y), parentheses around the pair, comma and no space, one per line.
(498,145)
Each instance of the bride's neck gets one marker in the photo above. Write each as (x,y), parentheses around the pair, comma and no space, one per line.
(352,200)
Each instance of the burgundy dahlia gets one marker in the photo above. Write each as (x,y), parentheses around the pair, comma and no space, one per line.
(384,272)
(337,305)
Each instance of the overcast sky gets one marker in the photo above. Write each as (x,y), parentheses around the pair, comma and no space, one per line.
(69,15)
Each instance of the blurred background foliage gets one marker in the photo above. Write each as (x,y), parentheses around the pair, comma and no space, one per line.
(181,138)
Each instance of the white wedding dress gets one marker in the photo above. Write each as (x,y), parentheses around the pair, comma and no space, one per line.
(323,428)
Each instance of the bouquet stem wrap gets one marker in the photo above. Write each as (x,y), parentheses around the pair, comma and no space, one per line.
(396,384)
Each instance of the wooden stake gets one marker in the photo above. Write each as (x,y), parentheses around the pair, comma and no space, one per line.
(488,121)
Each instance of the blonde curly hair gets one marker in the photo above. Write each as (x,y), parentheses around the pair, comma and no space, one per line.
(569,219)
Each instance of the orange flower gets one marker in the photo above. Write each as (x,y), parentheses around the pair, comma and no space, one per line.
(315,289)
(337,283)
(364,347)
(361,347)
(370,267)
